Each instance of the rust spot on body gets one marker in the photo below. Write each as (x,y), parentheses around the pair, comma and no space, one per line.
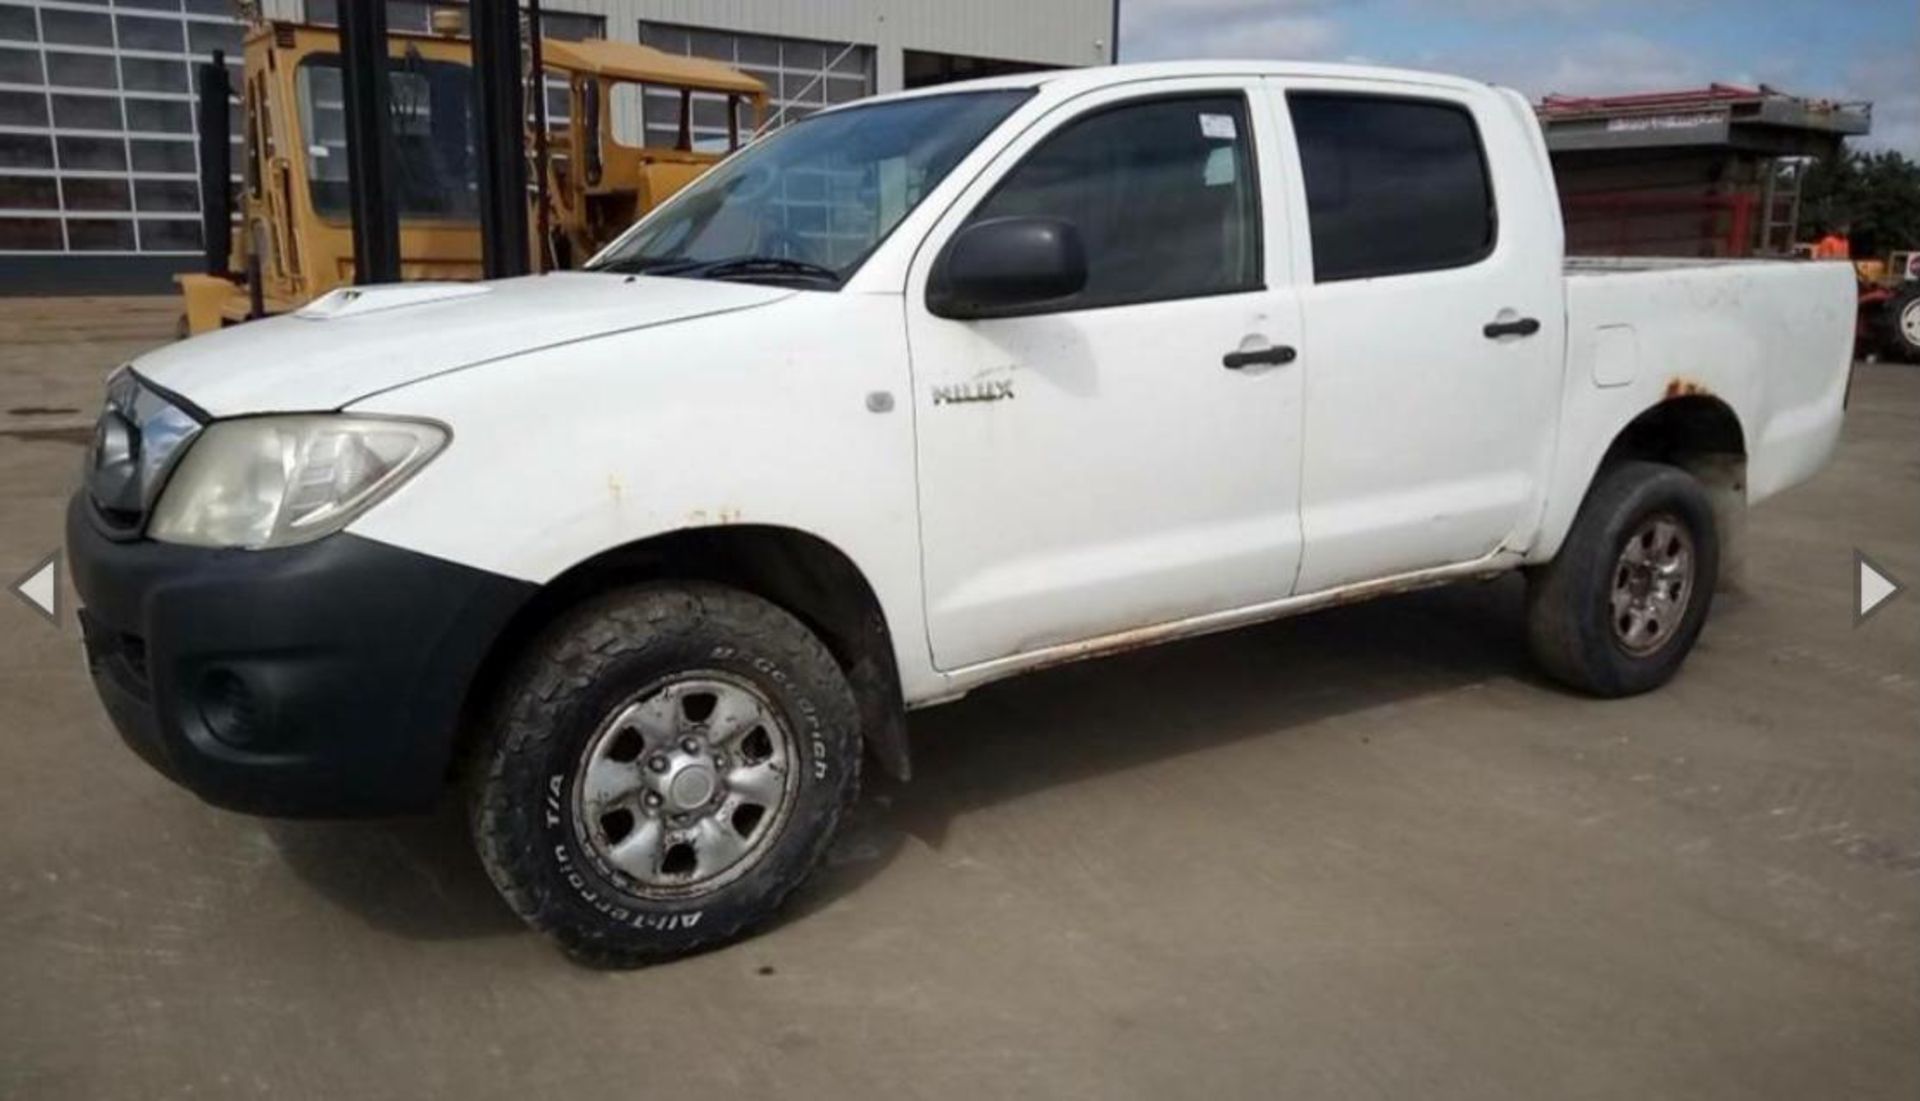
(1685,388)
(725,514)
(1139,638)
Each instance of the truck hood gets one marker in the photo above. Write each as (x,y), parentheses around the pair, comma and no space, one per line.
(354,343)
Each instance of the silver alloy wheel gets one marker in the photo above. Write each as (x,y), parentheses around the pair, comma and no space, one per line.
(685,785)
(1910,323)
(1652,584)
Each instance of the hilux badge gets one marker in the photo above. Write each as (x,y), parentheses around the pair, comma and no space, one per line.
(992,390)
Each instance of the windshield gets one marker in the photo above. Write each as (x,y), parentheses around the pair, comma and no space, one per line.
(808,204)
(429,104)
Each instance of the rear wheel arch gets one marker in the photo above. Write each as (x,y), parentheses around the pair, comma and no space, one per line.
(1679,431)
(803,574)
(1701,434)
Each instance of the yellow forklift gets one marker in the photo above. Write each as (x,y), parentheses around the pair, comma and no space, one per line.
(584,175)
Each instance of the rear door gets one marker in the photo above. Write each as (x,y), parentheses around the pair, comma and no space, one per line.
(1098,465)
(1434,326)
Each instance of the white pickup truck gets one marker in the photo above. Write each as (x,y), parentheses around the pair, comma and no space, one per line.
(911,396)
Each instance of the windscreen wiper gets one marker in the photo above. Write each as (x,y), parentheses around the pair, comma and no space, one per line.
(730,267)
(746,267)
(642,265)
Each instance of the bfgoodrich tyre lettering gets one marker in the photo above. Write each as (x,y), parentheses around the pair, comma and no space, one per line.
(668,763)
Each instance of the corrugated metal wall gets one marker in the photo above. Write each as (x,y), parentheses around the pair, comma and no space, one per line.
(1062,32)
(153,230)
(1055,32)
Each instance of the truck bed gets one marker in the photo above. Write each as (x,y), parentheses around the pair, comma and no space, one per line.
(1771,340)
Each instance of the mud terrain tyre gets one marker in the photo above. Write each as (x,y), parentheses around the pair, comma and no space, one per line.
(666,764)
(1617,612)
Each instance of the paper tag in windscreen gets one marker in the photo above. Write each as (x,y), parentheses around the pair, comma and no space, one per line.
(1218,127)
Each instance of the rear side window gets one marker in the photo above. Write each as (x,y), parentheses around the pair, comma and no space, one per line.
(1393,185)
(1162,192)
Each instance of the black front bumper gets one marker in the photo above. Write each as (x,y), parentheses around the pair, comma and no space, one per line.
(324,679)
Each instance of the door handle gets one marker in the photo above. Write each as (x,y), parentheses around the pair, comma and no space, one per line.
(1277,355)
(1526,326)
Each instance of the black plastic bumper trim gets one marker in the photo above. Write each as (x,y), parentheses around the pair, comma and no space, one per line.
(356,658)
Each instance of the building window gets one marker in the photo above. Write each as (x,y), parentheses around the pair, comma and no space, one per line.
(416,17)
(98,150)
(801,76)
(924,68)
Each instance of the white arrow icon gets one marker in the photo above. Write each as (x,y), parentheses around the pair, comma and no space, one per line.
(1872,587)
(39,587)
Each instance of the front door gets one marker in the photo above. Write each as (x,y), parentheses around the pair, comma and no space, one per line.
(1107,463)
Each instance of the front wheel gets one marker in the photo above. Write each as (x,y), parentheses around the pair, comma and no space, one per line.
(668,764)
(1621,606)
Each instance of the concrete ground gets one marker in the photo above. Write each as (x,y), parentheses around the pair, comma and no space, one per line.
(1366,853)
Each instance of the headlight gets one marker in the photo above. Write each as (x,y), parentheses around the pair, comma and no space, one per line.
(276,481)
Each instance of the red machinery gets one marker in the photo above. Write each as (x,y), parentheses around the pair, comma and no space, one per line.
(1712,172)
(1709,171)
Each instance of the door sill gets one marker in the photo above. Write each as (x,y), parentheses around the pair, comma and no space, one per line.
(966,678)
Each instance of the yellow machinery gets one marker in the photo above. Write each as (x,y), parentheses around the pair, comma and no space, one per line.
(294,241)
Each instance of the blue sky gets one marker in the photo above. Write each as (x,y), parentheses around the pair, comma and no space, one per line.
(1843,49)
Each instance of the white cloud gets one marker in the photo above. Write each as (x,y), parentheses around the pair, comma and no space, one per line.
(1886,78)
(1621,62)
(1507,9)
(1606,64)
(1286,29)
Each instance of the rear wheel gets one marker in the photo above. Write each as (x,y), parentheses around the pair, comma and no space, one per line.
(670,763)
(1620,608)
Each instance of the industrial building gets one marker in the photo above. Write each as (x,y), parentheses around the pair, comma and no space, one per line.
(98,175)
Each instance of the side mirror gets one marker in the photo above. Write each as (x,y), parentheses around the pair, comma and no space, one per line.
(1005,267)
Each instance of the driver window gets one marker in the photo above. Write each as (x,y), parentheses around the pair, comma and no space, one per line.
(1162,191)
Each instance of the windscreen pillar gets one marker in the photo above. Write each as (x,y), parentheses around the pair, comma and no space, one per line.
(363,79)
(216,157)
(502,133)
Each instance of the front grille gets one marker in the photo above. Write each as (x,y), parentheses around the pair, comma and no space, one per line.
(138,438)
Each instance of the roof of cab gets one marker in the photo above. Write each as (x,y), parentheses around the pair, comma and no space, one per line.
(644,64)
(1073,81)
